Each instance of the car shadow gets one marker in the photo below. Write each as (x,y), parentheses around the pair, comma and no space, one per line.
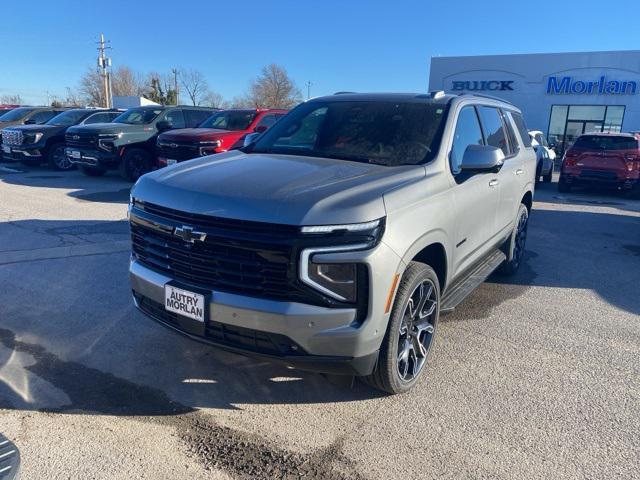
(72,341)
(110,188)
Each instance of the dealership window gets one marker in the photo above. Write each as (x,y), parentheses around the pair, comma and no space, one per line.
(568,122)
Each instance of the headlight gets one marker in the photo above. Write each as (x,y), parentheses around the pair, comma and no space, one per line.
(33,137)
(351,227)
(105,141)
(209,147)
(338,280)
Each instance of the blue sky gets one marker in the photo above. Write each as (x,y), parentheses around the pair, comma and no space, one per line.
(337,45)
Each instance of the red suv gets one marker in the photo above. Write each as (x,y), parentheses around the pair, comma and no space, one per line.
(222,131)
(603,159)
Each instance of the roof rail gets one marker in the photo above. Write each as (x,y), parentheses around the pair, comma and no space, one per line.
(343,93)
(481,95)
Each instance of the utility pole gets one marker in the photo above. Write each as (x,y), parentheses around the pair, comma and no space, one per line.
(308,84)
(103,67)
(175,84)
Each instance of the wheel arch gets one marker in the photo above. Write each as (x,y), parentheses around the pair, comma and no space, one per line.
(527,200)
(434,255)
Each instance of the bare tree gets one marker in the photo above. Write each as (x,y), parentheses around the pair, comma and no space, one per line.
(213,99)
(274,89)
(91,88)
(195,85)
(11,99)
(126,82)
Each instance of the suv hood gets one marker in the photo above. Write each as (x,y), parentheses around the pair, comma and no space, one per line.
(285,189)
(195,134)
(46,129)
(109,128)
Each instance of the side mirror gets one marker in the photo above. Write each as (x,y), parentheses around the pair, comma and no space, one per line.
(30,121)
(163,125)
(260,129)
(250,138)
(481,158)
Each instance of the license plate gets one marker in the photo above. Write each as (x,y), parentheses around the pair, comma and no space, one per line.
(183,302)
(6,149)
(75,154)
(171,161)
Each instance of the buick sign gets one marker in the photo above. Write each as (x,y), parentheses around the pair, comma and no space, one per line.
(482,85)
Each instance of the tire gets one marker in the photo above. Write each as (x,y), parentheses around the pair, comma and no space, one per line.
(388,374)
(538,171)
(548,178)
(563,186)
(135,163)
(514,246)
(92,171)
(57,159)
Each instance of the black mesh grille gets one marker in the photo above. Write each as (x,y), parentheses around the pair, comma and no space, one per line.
(228,264)
(178,150)
(81,140)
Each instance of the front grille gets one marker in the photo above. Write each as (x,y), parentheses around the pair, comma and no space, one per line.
(229,335)
(178,150)
(12,137)
(81,140)
(232,264)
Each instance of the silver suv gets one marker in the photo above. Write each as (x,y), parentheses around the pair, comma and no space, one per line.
(336,239)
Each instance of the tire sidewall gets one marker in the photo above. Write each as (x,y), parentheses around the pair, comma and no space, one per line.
(50,157)
(510,264)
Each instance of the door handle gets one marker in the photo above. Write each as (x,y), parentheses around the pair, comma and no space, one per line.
(519,171)
(494,182)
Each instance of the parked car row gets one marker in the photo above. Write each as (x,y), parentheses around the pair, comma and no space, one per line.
(134,142)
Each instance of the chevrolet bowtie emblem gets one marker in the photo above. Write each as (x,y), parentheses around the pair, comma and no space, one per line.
(189,235)
(76,137)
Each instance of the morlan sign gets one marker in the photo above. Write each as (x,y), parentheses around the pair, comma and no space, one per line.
(569,86)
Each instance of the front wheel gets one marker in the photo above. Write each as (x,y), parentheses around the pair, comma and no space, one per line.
(410,332)
(135,163)
(514,246)
(57,159)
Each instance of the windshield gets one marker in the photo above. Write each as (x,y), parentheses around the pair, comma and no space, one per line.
(230,120)
(70,117)
(600,142)
(138,116)
(382,132)
(16,114)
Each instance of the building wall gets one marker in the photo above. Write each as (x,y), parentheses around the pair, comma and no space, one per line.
(527,80)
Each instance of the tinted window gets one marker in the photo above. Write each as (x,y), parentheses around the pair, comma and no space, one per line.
(600,142)
(16,114)
(268,120)
(511,134)
(42,117)
(175,118)
(102,117)
(193,118)
(380,132)
(493,129)
(230,120)
(522,128)
(138,116)
(467,133)
(70,117)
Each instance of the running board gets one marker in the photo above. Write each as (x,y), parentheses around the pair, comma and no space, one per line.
(470,281)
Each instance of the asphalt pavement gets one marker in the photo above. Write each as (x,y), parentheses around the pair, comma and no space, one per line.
(536,376)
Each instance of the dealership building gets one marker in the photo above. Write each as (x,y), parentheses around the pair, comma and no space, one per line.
(562,94)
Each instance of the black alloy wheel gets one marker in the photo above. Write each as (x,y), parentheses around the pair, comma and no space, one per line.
(58,159)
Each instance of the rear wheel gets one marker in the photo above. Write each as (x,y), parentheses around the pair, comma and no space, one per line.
(135,163)
(57,158)
(92,171)
(514,246)
(563,186)
(548,177)
(410,332)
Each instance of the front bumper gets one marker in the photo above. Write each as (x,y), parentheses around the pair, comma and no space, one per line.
(93,158)
(308,337)
(18,153)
